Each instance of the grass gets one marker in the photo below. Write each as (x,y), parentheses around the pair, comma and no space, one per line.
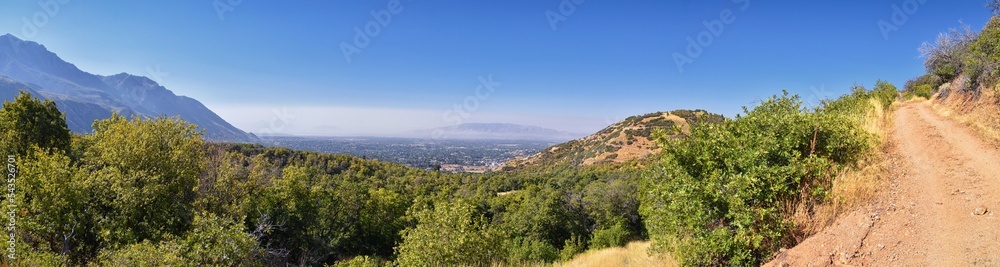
(980,113)
(853,187)
(633,254)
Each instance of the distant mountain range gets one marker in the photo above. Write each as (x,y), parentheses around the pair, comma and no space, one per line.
(84,97)
(496,131)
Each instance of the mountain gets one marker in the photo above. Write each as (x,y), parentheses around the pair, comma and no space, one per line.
(496,131)
(84,97)
(629,139)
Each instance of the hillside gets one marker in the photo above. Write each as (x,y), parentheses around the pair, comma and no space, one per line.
(629,139)
(84,97)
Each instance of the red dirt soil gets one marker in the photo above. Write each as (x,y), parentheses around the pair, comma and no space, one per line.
(938,208)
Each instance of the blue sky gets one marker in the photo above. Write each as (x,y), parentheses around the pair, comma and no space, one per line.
(280,67)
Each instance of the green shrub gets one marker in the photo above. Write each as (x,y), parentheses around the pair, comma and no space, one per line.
(451,233)
(28,122)
(361,261)
(981,61)
(531,250)
(146,253)
(55,197)
(614,236)
(144,172)
(574,245)
(924,91)
(722,195)
(212,242)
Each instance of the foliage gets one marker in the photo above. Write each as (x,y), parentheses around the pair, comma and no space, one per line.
(27,122)
(56,199)
(924,91)
(143,171)
(216,241)
(930,80)
(212,241)
(361,261)
(982,62)
(614,235)
(574,245)
(963,52)
(945,58)
(448,234)
(724,194)
(150,192)
(530,250)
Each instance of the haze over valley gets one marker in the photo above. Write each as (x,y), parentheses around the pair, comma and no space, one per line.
(398,133)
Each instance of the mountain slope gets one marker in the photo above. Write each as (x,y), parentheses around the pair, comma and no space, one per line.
(497,131)
(84,96)
(629,139)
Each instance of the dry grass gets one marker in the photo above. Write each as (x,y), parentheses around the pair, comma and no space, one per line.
(633,254)
(980,113)
(853,187)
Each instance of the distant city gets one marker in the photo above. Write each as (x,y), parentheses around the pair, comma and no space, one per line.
(450,155)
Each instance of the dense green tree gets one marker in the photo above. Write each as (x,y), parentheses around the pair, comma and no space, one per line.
(212,241)
(982,62)
(28,122)
(144,171)
(449,234)
(314,216)
(56,203)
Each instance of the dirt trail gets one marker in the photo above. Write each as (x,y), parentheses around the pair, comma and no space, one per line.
(940,207)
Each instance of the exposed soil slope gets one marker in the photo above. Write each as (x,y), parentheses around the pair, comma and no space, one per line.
(629,139)
(939,208)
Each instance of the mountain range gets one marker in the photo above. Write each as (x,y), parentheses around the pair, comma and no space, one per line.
(84,97)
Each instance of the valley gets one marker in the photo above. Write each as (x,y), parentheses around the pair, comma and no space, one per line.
(377,154)
(450,155)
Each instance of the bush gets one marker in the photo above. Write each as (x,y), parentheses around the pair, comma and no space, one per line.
(451,233)
(361,261)
(724,194)
(948,55)
(927,79)
(924,91)
(531,250)
(212,242)
(614,236)
(55,197)
(981,61)
(574,245)
(28,122)
(144,172)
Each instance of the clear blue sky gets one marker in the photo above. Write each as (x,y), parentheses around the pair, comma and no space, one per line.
(263,62)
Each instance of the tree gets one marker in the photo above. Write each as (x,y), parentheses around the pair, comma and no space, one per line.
(212,241)
(982,61)
(314,217)
(28,122)
(56,201)
(450,234)
(144,171)
(946,56)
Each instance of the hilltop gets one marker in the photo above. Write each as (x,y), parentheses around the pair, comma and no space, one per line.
(629,139)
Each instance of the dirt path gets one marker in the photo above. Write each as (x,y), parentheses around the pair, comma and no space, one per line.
(940,207)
